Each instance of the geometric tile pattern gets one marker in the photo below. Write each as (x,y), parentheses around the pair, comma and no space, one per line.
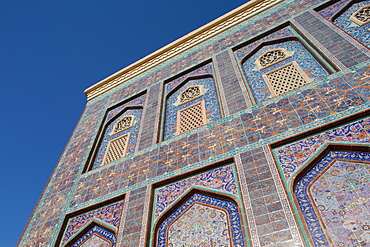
(333,197)
(344,48)
(215,217)
(221,179)
(110,215)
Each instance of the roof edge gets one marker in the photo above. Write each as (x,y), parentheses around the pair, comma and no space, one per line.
(178,46)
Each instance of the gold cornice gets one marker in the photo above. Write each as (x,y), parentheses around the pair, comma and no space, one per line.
(180,45)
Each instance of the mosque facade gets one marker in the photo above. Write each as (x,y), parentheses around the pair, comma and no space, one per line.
(253,130)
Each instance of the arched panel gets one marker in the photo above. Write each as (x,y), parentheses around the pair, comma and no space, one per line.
(333,197)
(190,105)
(201,219)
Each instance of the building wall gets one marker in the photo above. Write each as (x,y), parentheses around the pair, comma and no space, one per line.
(259,169)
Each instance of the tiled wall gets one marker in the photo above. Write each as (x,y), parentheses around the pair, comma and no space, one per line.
(263,176)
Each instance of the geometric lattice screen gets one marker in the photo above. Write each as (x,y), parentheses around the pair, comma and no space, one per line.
(286,79)
(116,149)
(191,118)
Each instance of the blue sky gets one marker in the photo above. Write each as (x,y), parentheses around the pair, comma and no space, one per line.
(50,52)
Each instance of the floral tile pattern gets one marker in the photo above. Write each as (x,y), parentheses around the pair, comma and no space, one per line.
(335,192)
(218,179)
(111,215)
(226,220)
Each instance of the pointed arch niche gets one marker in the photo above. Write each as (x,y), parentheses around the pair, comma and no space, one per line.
(97,225)
(199,209)
(201,218)
(118,133)
(279,61)
(333,196)
(191,100)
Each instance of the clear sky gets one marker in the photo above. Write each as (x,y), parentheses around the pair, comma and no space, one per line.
(50,52)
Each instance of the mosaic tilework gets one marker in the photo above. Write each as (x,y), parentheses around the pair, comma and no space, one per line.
(150,121)
(107,137)
(269,216)
(295,155)
(97,237)
(197,231)
(211,104)
(133,222)
(219,179)
(286,113)
(336,190)
(138,101)
(332,9)
(343,21)
(361,33)
(309,65)
(341,47)
(252,27)
(47,215)
(207,144)
(200,225)
(109,214)
(231,87)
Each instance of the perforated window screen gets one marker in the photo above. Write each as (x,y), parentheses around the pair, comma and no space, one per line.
(361,16)
(123,124)
(116,149)
(191,118)
(286,79)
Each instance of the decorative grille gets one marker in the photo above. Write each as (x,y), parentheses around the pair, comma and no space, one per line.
(272,57)
(189,94)
(286,78)
(123,124)
(116,149)
(191,118)
(361,16)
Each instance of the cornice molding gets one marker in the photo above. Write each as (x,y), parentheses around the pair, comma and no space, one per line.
(188,41)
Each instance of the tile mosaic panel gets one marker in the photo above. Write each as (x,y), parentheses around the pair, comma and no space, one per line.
(97,237)
(211,104)
(285,115)
(270,218)
(149,126)
(110,214)
(293,156)
(223,216)
(218,179)
(200,225)
(232,88)
(134,218)
(332,9)
(306,61)
(335,192)
(107,137)
(361,33)
(345,49)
